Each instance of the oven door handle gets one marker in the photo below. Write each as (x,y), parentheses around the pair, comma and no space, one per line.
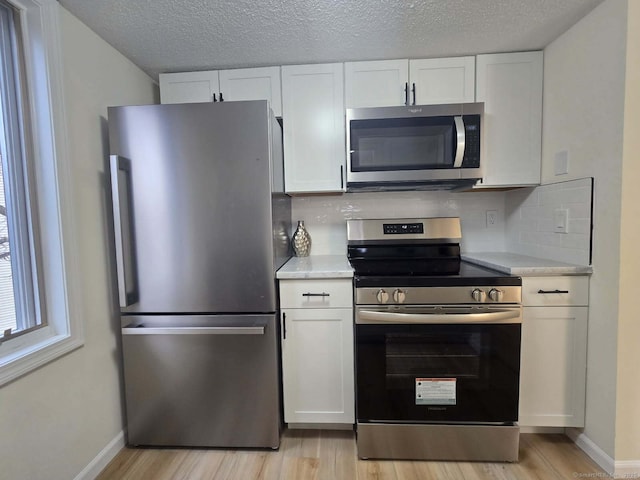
(503,316)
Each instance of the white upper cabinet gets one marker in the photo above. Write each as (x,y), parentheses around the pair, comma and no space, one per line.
(376,84)
(227,85)
(442,80)
(314,127)
(409,82)
(510,85)
(188,87)
(253,84)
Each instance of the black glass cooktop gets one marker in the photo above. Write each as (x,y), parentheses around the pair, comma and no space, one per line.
(467,275)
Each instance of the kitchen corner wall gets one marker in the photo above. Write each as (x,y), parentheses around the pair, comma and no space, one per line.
(584,121)
(325,216)
(65,418)
(530,221)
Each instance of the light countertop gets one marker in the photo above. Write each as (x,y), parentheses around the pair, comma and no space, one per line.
(524,265)
(316,266)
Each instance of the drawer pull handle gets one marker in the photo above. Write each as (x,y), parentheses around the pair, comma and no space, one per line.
(316,294)
(553,291)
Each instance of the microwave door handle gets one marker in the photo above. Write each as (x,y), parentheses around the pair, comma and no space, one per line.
(460,136)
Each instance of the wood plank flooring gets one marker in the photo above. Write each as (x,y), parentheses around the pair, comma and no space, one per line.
(331,455)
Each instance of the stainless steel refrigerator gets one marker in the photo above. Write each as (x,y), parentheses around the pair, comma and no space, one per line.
(201,225)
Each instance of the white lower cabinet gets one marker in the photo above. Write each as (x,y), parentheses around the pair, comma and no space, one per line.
(554,351)
(317,351)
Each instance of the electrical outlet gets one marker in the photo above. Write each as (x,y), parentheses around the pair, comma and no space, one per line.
(492,218)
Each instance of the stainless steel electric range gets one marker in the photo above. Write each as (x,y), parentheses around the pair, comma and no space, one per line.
(437,345)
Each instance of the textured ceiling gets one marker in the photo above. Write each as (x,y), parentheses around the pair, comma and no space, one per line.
(181,35)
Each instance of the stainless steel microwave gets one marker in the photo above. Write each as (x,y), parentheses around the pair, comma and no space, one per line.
(418,147)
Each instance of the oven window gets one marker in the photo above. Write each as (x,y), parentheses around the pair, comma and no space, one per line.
(432,373)
(434,355)
(402,144)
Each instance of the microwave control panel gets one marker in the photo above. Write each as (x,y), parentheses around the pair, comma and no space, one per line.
(471,157)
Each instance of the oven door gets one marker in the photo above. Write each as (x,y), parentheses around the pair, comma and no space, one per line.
(438,364)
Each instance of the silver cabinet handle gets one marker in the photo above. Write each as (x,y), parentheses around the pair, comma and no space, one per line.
(194,331)
(553,291)
(370,316)
(116,164)
(316,294)
(461,140)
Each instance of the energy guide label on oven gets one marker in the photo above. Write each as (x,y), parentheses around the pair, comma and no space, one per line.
(435,391)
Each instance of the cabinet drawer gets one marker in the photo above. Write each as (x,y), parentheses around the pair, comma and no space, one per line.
(331,293)
(555,291)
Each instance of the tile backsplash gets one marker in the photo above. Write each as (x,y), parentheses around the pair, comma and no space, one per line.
(325,216)
(525,219)
(533,217)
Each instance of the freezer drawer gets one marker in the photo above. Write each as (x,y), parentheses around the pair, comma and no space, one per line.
(203,381)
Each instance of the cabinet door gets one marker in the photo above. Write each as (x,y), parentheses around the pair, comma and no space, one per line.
(555,291)
(376,84)
(553,366)
(442,80)
(510,85)
(316,293)
(253,84)
(317,365)
(314,136)
(188,87)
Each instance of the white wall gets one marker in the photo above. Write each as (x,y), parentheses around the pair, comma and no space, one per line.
(627,446)
(325,216)
(584,78)
(55,420)
(530,221)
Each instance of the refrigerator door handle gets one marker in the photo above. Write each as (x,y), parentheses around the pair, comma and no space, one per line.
(255,330)
(126,296)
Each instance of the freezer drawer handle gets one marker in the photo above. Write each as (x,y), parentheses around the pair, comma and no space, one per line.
(141,330)
(553,291)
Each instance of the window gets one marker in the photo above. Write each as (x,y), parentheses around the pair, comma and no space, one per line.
(39,293)
(19,310)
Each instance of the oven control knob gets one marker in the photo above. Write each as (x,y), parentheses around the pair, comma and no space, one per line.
(382,296)
(496,295)
(478,295)
(399,296)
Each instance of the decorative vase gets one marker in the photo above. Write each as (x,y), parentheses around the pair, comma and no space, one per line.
(301,241)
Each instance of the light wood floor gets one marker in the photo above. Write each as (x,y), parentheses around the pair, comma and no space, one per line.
(331,455)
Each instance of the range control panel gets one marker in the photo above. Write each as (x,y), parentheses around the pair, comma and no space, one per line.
(402,228)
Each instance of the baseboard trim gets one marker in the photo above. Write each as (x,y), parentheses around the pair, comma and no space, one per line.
(108,453)
(617,469)
(589,447)
(627,469)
